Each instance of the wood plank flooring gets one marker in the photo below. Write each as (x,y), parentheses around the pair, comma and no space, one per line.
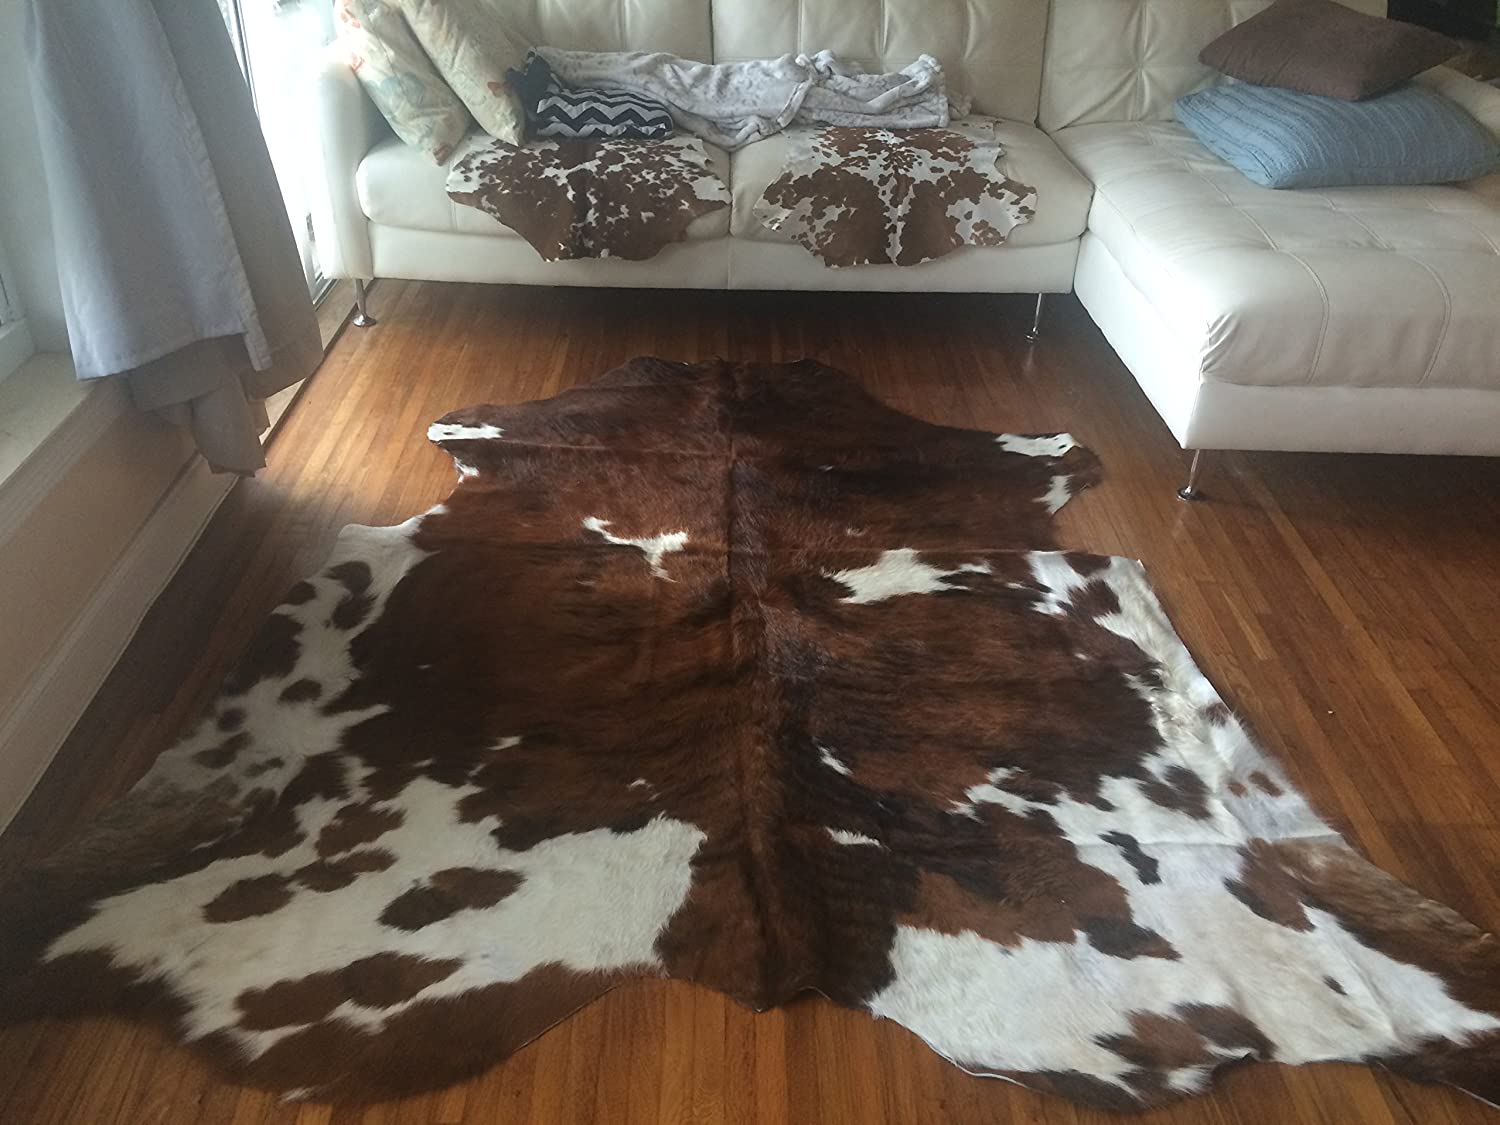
(1347,607)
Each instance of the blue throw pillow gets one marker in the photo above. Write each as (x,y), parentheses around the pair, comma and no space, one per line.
(1284,139)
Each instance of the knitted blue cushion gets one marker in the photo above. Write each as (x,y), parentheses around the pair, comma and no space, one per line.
(1284,139)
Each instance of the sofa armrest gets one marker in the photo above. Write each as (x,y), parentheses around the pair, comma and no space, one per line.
(1481,100)
(346,125)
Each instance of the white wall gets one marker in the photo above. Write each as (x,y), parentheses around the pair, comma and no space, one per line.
(25,224)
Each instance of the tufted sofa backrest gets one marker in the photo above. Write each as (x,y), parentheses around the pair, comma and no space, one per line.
(680,27)
(1063,62)
(1129,60)
(991,49)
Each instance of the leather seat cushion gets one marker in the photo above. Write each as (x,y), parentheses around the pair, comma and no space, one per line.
(398,186)
(1062,206)
(1364,286)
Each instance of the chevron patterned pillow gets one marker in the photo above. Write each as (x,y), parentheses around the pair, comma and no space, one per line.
(556,110)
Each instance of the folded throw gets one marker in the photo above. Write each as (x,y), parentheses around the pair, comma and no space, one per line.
(733,104)
(556,110)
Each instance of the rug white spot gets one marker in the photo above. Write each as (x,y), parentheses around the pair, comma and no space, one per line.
(1050,445)
(452,431)
(653,547)
(831,760)
(1058,495)
(898,572)
(853,839)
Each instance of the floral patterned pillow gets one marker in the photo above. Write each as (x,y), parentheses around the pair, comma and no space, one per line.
(472,52)
(399,78)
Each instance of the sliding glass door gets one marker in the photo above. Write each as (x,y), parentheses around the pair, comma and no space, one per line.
(15,340)
(278,42)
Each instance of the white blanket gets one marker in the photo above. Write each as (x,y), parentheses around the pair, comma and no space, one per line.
(733,104)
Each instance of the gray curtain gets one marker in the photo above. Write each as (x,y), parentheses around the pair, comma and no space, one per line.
(178,268)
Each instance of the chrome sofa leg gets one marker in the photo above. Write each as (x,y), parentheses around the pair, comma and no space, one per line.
(1190,491)
(1036,320)
(362,317)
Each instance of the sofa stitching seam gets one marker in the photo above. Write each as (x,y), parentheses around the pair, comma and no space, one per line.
(1261,230)
(1151,139)
(1137,94)
(1353,215)
(1312,370)
(1364,226)
(1479,230)
(1442,338)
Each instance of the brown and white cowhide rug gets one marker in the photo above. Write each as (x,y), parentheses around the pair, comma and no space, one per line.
(860,196)
(598,197)
(732,674)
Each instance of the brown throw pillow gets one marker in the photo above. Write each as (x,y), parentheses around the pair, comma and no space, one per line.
(1322,47)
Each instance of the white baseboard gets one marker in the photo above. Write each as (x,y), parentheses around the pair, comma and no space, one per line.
(55,698)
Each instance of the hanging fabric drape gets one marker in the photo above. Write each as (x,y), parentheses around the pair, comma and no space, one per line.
(176,260)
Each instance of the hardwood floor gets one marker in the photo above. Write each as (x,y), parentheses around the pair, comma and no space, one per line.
(1347,607)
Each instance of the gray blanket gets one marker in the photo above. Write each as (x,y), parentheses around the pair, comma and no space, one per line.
(733,104)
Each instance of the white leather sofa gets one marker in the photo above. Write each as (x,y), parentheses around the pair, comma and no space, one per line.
(1360,319)
(387,214)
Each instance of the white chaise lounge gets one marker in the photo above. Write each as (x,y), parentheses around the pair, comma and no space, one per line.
(1349,320)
